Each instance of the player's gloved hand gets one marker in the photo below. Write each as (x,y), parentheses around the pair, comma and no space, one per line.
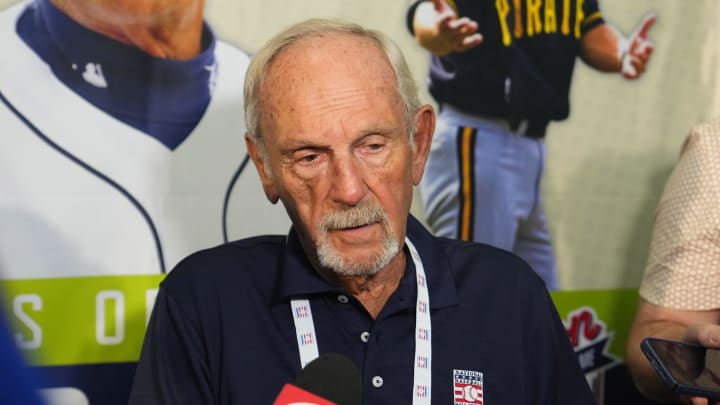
(636,50)
(450,33)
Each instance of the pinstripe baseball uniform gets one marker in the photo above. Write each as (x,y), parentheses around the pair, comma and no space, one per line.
(112,164)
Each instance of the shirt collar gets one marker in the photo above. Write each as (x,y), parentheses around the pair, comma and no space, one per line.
(298,278)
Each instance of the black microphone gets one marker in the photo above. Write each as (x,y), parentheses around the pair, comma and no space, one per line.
(331,377)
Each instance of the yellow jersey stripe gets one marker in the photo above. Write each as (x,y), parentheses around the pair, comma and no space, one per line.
(466,183)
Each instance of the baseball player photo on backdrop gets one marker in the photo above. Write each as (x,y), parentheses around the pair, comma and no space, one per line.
(501,74)
(122,152)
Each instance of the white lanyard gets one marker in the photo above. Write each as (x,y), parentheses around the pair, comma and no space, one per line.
(307,339)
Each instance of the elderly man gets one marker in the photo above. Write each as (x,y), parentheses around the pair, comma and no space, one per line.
(337,134)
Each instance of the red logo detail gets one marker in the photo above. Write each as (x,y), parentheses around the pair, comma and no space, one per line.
(306,338)
(583,322)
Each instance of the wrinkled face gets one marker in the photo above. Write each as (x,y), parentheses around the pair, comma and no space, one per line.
(338,151)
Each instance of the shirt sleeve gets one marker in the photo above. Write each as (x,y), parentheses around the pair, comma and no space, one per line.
(571,386)
(683,268)
(592,16)
(172,367)
(566,383)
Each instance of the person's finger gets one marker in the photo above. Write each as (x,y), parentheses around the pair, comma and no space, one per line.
(643,48)
(637,64)
(699,401)
(459,23)
(445,20)
(471,41)
(441,6)
(630,73)
(628,70)
(705,334)
(468,28)
(647,23)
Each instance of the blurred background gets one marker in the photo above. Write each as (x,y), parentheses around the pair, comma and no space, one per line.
(608,162)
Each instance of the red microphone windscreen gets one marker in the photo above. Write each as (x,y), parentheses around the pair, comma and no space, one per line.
(292,395)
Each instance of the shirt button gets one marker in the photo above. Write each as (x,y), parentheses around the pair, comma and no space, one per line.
(343,299)
(377,381)
(365,337)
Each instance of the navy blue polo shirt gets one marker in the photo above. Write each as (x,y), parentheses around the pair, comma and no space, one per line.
(222,330)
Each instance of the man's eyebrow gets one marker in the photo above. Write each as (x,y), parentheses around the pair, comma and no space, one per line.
(299,144)
(377,130)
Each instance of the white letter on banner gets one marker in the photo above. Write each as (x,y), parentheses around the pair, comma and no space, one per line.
(100,300)
(36,303)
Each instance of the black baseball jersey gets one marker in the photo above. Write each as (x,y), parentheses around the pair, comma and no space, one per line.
(523,68)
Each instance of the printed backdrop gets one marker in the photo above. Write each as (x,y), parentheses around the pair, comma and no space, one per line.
(606,168)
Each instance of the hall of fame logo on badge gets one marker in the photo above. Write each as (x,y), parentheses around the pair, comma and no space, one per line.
(467,387)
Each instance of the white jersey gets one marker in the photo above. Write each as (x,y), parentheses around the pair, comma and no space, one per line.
(83,194)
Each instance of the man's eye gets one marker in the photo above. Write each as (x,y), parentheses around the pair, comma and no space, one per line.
(309,158)
(375,146)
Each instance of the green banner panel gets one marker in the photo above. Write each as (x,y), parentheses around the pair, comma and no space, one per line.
(80,320)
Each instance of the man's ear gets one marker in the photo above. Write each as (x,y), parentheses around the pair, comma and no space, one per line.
(422,138)
(267,182)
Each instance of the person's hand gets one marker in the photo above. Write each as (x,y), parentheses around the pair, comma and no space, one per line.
(707,335)
(636,51)
(698,401)
(452,34)
(704,334)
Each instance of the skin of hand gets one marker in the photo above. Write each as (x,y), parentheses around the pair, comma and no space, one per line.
(699,327)
(604,49)
(707,335)
(439,30)
(169,29)
(637,49)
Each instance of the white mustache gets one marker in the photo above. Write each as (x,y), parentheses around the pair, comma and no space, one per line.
(353,217)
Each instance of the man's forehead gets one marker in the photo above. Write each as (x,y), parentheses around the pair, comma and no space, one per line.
(321,56)
(326,69)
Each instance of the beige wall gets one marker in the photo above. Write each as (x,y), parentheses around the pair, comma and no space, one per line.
(608,162)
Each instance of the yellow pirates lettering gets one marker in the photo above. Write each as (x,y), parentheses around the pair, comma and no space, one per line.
(534,24)
(517,7)
(550,17)
(541,17)
(579,18)
(566,17)
(503,8)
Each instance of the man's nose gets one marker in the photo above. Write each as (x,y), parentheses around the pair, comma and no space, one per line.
(348,183)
